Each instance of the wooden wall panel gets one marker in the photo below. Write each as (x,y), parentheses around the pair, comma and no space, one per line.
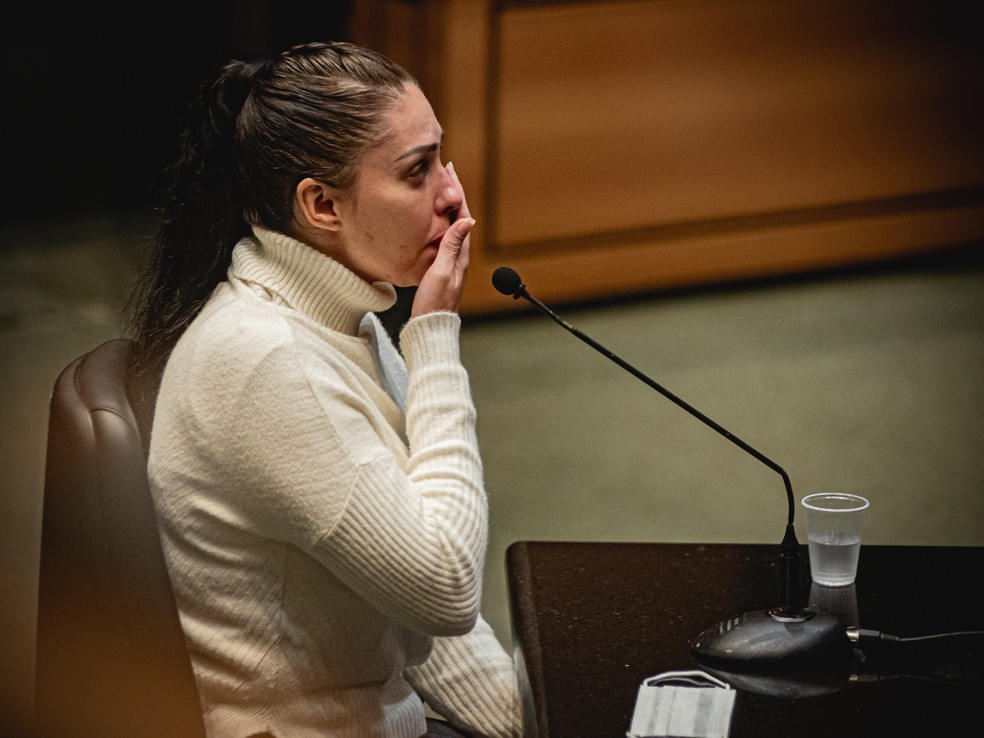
(650,113)
(616,147)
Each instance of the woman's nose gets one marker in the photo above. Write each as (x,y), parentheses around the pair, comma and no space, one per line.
(450,195)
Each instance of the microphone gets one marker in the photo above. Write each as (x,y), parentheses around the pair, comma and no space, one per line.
(788,634)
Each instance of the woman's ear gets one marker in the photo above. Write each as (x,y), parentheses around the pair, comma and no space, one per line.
(315,205)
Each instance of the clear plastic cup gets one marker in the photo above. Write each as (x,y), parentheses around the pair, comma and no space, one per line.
(834,523)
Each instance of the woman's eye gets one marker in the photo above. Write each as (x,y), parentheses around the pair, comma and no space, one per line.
(420,169)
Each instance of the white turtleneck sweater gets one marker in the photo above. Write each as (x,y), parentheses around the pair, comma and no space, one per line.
(325,547)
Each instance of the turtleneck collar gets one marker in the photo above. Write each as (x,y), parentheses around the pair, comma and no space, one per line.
(308,281)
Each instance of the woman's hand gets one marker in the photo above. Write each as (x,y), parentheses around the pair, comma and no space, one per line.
(440,288)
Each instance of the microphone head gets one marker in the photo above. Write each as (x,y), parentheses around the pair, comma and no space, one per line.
(507,282)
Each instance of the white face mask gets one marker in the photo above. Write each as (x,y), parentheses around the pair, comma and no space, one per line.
(687,704)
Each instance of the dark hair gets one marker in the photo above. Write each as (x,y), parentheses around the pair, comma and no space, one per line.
(253,132)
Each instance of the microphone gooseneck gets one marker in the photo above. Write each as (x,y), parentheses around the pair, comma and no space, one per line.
(508,282)
(786,633)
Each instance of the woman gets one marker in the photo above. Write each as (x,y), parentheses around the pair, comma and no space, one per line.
(319,492)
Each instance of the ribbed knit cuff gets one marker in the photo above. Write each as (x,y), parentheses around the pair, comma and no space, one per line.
(431,339)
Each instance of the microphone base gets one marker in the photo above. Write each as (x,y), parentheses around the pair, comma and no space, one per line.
(791,683)
(774,638)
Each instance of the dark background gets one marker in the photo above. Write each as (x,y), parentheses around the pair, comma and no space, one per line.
(94,94)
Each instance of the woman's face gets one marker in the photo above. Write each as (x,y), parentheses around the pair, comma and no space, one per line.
(403,200)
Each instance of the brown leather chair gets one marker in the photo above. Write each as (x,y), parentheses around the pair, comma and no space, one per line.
(111,656)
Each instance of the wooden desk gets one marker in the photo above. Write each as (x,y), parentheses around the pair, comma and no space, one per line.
(592,620)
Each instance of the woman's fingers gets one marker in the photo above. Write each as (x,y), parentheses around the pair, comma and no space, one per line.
(463,211)
(455,240)
(441,286)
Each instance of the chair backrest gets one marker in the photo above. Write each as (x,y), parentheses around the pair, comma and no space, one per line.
(111,657)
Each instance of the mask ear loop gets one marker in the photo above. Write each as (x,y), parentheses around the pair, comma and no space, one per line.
(694,678)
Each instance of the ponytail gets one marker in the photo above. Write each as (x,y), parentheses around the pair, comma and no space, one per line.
(201,216)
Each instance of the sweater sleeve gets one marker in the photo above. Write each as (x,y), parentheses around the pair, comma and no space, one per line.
(404,526)
(414,539)
(471,681)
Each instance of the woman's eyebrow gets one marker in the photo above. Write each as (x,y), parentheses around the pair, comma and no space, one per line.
(420,149)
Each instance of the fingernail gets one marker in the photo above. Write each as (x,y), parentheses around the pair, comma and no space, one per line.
(451,166)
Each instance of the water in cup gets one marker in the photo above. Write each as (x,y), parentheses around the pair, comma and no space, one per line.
(834,561)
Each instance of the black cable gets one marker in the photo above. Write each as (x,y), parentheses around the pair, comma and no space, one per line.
(859,634)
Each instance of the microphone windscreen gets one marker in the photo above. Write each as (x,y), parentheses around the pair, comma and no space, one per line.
(507,281)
